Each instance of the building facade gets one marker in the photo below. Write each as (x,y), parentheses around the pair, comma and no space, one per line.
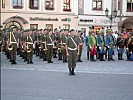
(92,13)
(39,14)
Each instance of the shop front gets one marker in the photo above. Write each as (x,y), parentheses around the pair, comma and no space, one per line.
(39,21)
(95,22)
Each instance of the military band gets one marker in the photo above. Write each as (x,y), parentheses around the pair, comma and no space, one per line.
(47,45)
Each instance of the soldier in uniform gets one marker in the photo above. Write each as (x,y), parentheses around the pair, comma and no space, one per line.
(49,45)
(63,44)
(14,42)
(120,46)
(81,43)
(29,46)
(101,44)
(54,39)
(44,50)
(110,45)
(37,43)
(59,45)
(129,46)
(72,49)
(92,44)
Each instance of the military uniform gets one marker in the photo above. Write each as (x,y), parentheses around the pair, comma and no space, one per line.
(110,46)
(120,47)
(63,41)
(59,47)
(101,46)
(50,48)
(14,38)
(81,41)
(92,44)
(129,46)
(44,51)
(29,44)
(72,49)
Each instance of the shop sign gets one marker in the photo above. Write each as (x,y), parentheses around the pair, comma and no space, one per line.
(43,19)
(86,20)
(66,19)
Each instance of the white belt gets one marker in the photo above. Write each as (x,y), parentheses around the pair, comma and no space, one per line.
(30,43)
(63,43)
(13,42)
(49,44)
(72,49)
(43,42)
(80,44)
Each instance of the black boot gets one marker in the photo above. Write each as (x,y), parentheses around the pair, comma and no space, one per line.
(109,58)
(70,71)
(28,62)
(122,56)
(13,62)
(119,56)
(87,55)
(73,71)
(31,62)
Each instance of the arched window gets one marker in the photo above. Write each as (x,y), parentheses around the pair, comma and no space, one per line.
(130,5)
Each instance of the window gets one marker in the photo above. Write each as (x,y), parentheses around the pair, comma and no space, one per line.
(130,5)
(66,5)
(17,4)
(3,3)
(49,27)
(34,4)
(66,26)
(33,26)
(97,4)
(118,4)
(49,5)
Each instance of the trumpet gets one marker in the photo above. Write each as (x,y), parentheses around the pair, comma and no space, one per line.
(10,47)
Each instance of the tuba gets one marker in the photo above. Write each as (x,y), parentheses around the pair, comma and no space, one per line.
(10,47)
(28,50)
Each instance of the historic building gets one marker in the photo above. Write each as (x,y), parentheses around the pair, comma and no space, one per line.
(39,14)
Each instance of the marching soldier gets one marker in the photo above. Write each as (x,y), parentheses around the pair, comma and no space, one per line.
(110,45)
(129,46)
(92,44)
(37,43)
(29,46)
(72,49)
(49,45)
(120,46)
(63,43)
(40,43)
(13,44)
(81,43)
(101,44)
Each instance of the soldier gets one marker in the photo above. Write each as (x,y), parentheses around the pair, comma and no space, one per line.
(54,39)
(37,42)
(40,43)
(81,43)
(120,46)
(29,46)
(14,42)
(59,45)
(92,44)
(101,44)
(49,46)
(110,44)
(44,50)
(72,49)
(129,46)
(63,44)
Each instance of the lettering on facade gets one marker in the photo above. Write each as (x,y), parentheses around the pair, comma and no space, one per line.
(86,20)
(66,19)
(43,19)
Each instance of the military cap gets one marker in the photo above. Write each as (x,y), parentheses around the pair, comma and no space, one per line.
(79,31)
(72,30)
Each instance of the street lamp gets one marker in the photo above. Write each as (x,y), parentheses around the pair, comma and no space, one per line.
(112,16)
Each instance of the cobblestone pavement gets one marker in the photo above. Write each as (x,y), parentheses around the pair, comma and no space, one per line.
(113,67)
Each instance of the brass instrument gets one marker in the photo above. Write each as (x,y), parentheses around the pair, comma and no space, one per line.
(28,50)
(10,47)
